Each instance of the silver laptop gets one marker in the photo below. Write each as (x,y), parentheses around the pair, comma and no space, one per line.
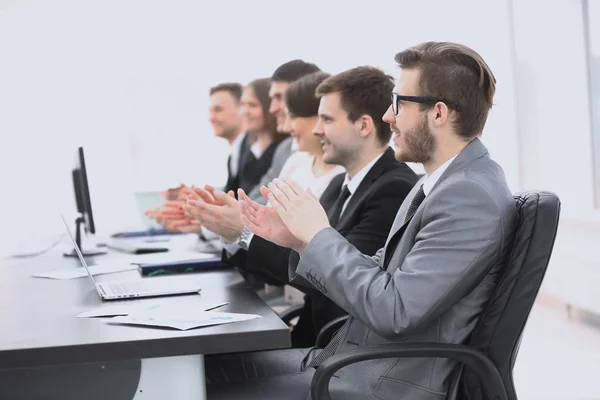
(133,289)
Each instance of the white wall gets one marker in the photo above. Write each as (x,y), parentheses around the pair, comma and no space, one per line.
(556,139)
(129,80)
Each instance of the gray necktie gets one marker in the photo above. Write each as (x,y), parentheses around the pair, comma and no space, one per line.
(330,349)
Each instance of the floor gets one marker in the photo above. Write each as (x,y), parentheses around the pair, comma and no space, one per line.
(559,358)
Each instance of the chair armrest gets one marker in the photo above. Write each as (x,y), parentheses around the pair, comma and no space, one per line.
(288,315)
(328,330)
(484,367)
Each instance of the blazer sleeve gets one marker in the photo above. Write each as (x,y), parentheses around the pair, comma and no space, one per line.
(370,232)
(282,153)
(268,260)
(451,254)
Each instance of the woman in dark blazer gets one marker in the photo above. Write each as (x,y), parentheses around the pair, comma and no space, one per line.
(261,128)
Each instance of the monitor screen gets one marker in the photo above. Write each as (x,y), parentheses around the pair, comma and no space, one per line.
(82,192)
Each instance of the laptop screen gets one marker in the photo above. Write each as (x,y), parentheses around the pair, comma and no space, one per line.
(83,263)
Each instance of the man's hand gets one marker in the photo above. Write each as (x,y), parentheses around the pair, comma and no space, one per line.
(217,211)
(187,225)
(265,222)
(170,211)
(173,193)
(299,210)
(196,193)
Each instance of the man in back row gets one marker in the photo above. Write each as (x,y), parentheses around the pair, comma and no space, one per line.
(432,279)
(226,120)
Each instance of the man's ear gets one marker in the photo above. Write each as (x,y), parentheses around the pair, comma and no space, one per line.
(365,125)
(440,114)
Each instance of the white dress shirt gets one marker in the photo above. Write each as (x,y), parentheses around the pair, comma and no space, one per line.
(298,168)
(431,180)
(355,182)
(257,150)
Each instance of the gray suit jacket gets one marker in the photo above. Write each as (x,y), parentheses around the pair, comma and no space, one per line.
(438,280)
(283,152)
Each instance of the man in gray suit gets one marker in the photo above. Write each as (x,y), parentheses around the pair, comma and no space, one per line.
(283,76)
(431,281)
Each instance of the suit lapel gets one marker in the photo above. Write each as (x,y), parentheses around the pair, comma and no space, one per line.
(399,226)
(380,167)
(472,151)
(244,151)
(330,195)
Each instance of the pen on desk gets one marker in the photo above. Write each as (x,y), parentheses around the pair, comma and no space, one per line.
(217,306)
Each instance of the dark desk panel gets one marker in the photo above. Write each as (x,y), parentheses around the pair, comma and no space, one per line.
(38,325)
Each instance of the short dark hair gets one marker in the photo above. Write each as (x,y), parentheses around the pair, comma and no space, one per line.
(233,88)
(261,91)
(301,98)
(363,90)
(293,70)
(457,74)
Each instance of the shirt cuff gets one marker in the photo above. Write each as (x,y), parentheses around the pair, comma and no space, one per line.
(232,248)
(209,235)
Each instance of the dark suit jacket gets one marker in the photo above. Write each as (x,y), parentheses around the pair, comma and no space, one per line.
(365,223)
(233,181)
(253,169)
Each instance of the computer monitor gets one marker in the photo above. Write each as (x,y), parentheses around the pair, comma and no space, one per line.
(84,207)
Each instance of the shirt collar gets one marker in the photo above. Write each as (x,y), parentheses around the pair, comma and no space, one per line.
(256,150)
(432,179)
(236,146)
(353,183)
(294,145)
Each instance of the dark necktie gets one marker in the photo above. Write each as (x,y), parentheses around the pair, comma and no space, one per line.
(332,346)
(414,204)
(412,209)
(329,350)
(336,210)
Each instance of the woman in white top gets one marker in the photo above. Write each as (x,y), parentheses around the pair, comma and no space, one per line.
(221,215)
(306,166)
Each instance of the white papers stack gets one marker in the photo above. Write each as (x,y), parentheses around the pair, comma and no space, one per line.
(157,315)
(141,308)
(203,318)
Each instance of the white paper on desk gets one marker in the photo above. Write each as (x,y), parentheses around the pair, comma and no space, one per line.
(79,272)
(206,318)
(155,309)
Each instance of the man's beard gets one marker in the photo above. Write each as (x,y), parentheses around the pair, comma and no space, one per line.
(418,144)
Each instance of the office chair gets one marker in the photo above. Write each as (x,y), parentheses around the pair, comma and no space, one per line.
(486,361)
(289,314)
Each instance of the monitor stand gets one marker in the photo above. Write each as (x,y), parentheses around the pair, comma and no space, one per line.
(87,252)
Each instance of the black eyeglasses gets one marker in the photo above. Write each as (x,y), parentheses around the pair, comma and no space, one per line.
(396,99)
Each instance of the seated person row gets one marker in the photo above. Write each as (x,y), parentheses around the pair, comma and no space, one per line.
(252,150)
(338,121)
(229,117)
(441,261)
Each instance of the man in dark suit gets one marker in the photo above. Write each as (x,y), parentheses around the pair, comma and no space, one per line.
(430,282)
(226,120)
(359,202)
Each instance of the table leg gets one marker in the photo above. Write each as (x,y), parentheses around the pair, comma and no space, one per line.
(180,377)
